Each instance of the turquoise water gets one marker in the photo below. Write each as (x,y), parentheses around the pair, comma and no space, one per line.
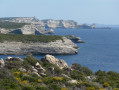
(101,52)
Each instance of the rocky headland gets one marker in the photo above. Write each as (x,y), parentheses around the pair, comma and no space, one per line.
(39,44)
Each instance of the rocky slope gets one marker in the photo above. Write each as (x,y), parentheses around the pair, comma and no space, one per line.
(64,46)
(50,73)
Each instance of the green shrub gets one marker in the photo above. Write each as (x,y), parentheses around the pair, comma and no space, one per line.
(54,86)
(29,38)
(5,73)
(29,78)
(31,60)
(28,88)
(9,84)
(77,75)
(42,88)
(14,64)
(84,70)
(11,25)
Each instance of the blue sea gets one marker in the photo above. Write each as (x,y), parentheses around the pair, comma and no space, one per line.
(101,52)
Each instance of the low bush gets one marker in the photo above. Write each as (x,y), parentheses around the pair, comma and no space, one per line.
(29,38)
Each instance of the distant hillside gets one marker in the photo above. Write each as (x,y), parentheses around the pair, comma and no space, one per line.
(23,25)
(48,23)
(103,25)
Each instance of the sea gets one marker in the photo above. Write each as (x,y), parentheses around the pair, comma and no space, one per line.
(100,52)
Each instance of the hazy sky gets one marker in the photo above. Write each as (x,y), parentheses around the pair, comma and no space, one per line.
(82,11)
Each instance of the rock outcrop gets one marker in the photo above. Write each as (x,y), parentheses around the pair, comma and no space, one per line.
(51,59)
(2,63)
(64,46)
(74,39)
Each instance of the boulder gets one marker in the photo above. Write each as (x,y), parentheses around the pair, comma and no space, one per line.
(36,74)
(22,69)
(2,63)
(64,75)
(39,67)
(34,70)
(42,74)
(8,58)
(60,63)
(63,64)
(13,58)
(73,81)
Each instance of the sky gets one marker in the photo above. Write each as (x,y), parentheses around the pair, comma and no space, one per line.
(82,11)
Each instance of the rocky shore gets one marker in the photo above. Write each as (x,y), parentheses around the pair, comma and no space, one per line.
(64,46)
(74,39)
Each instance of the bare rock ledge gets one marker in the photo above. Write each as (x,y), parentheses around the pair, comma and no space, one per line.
(64,46)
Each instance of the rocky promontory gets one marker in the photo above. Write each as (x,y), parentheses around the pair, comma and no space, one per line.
(24,44)
(74,39)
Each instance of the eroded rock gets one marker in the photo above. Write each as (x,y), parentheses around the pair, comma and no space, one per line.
(2,63)
(60,63)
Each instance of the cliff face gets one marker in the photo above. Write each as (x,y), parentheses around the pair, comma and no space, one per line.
(47,23)
(64,46)
(60,23)
(35,26)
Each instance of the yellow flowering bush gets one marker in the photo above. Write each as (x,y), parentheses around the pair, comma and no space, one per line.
(18,79)
(90,88)
(101,88)
(106,84)
(28,73)
(80,82)
(58,78)
(17,73)
(39,81)
(64,89)
(25,82)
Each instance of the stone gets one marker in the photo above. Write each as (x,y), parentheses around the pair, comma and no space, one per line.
(39,67)
(13,58)
(34,70)
(60,63)
(42,74)
(63,64)
(73,81)
(22,69)
(37,64)
(8,58)
(51,59)
(2,63)
(36,74)
(51,69)
(64,75)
